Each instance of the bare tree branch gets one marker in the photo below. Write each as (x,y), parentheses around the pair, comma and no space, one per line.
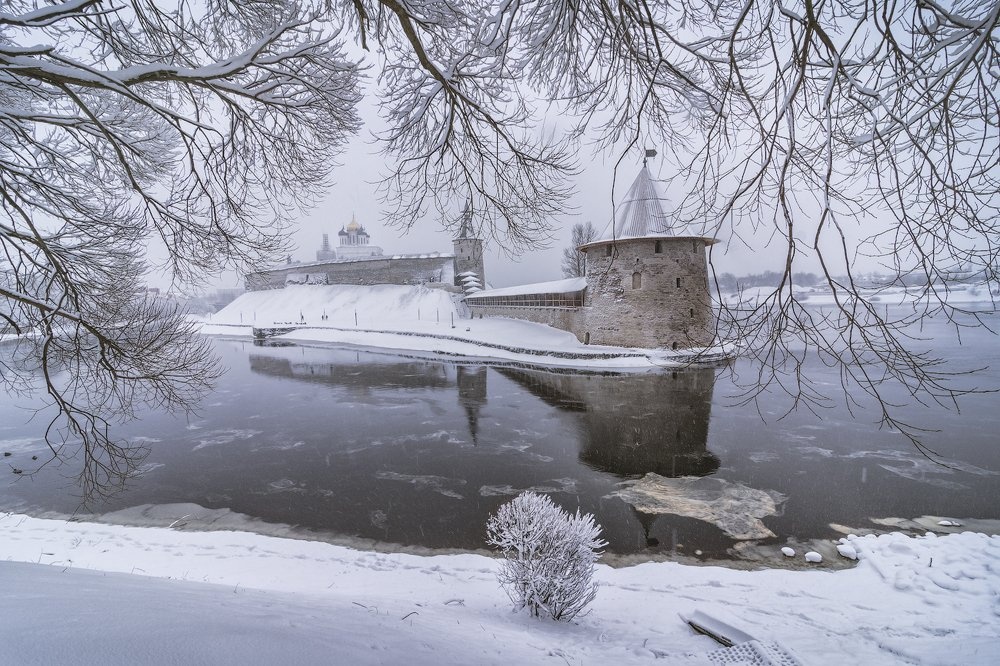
(127,122)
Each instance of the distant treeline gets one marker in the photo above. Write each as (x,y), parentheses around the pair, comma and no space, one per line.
(730,282)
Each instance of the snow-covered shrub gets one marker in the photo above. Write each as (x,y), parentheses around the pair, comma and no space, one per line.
(549,555)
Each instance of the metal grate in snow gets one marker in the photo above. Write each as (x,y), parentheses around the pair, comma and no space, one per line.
(753,653)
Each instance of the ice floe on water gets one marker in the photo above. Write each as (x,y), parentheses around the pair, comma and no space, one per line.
(911,457)
(281,446)
(22,445)
(227,436)
(523,448)
(438,436)
(915,473)
(732,507)
(356,446)
(285,486)
(763,456)
(562,486)
(923,470)
(431,482)
(189,516)
(816,451)
(909,465)
(944,524)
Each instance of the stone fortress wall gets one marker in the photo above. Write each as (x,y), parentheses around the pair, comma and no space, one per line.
(421,269)
(649,293)
(564,318)
(357,262)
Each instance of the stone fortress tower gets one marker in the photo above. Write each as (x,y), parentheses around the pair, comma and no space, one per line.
(646,286)
(470,271)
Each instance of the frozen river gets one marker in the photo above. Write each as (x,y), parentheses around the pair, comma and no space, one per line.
(358,444)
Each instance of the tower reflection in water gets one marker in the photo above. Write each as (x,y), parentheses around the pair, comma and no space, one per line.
(637,424)
(632,425)
(457,441)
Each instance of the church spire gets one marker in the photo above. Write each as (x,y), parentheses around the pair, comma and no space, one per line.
(465,231)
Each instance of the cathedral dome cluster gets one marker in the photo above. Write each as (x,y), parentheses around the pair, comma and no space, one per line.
(355,261)
(355,243)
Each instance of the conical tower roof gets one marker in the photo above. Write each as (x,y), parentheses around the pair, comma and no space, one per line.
(641,215)
(465,231)
(640,212)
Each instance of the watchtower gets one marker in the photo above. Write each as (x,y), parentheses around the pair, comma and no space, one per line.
(468,253)
(646,286)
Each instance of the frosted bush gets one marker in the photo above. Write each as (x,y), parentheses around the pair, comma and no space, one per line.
(548,553)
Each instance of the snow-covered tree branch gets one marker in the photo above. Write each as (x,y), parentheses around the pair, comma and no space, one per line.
(125,123)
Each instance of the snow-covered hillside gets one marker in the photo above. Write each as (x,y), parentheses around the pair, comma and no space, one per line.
(377,306)
(173,597)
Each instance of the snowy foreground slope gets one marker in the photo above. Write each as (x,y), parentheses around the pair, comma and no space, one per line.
(80,593)
(424,320)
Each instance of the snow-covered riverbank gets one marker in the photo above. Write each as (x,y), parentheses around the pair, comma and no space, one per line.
(428,321)
(167,596)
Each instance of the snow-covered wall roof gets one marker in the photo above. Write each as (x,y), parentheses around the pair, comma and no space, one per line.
(312,264)
(555,287)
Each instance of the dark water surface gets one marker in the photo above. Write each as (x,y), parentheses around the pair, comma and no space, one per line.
(420,452)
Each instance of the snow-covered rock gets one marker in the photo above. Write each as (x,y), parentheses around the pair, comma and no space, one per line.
(847,550)
(788,551)
(814,557)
